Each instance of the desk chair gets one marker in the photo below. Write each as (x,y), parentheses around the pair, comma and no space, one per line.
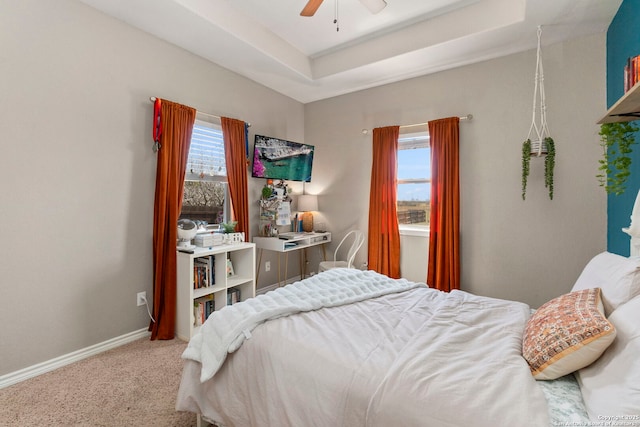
(358,240)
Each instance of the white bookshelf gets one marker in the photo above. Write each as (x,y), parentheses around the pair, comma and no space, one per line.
(243,259)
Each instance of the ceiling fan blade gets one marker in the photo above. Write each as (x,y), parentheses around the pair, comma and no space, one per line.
(311,7)
(374,6)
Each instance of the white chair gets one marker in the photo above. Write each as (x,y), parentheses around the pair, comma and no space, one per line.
(358,240)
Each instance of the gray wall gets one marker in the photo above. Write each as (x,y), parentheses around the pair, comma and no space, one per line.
(77,173)
(529,250)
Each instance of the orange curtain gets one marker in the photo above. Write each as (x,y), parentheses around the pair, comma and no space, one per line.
(384,236)
(177,126)
(444,239)
(235,153)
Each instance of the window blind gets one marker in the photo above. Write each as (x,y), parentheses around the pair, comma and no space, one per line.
(206,160)
(413,140)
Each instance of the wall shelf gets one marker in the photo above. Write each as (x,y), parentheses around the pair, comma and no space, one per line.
(626,109)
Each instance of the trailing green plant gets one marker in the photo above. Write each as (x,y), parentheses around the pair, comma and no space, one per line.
(549,165)
(526,159)
(616,140)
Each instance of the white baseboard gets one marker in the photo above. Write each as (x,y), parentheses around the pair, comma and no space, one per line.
(50,365)
(265,289)
(58,362)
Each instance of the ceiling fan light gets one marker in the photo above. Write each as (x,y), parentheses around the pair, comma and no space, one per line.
(374,6)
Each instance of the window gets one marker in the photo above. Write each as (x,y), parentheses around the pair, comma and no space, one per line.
(206,195)
(414,179)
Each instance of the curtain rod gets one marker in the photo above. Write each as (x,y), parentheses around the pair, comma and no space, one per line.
(153,99)
(467,117)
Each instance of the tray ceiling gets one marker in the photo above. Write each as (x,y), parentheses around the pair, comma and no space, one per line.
(306,59)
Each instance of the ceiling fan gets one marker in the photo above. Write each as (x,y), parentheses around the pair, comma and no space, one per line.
(374,6)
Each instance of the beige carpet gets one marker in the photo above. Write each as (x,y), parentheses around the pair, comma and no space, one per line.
(132,385)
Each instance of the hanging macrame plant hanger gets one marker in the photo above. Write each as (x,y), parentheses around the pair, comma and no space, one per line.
(539,127)
(539,142)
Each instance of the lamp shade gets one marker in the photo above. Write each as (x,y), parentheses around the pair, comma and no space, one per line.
(307,203)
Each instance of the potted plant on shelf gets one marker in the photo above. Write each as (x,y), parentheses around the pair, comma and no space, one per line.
(229,227)
(616,140)
(230,235)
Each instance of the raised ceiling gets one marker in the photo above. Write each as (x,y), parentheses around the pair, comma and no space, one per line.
(306,59)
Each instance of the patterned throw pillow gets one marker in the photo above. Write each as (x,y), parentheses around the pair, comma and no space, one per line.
(566,334)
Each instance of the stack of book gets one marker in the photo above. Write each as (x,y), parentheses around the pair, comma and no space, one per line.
(204,272)
(631,72)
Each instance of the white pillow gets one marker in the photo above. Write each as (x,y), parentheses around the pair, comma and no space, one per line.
(617,276)
(611,385)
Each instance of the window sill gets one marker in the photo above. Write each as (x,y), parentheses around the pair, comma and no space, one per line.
(415,230)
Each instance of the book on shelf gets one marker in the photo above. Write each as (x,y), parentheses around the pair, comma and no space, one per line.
(212,270)
(202,309)
(233,296)
(204,272)
(631,72)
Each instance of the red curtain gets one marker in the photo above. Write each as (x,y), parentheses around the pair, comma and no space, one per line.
(177,126)
(444,240)
(235,152)
(384,236)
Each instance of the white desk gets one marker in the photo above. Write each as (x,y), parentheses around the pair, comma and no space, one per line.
(298,241)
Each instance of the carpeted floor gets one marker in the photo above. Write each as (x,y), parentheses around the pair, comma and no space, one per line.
(132,385)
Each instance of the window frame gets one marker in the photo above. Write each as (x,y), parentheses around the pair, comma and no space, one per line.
(220,178)
(408,141)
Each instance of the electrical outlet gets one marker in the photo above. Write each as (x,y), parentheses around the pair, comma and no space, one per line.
(141,298)
(267,266)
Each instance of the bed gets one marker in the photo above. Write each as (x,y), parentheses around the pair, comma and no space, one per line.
(356,348)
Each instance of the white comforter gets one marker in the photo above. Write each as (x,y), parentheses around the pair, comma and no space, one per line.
(228,328)
(418,357)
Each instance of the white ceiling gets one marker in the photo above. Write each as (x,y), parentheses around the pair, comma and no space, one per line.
(307,59)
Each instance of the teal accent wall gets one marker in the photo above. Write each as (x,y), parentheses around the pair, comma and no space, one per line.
(623,41)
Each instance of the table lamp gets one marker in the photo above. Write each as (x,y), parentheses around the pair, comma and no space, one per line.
(306,204)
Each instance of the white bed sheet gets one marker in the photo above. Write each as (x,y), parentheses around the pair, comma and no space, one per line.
(416,358)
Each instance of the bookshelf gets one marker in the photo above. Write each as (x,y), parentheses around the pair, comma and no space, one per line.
(626,109)
(202,282)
